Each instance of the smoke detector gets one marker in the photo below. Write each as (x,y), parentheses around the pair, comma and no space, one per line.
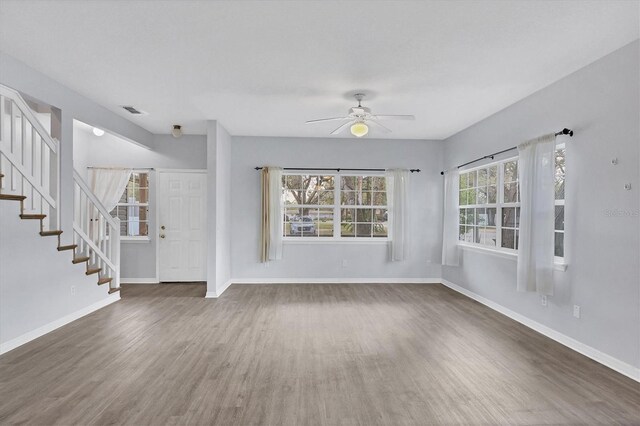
(176,131)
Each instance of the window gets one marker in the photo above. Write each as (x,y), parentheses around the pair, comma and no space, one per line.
(336,206)
(133,207)
(489,205)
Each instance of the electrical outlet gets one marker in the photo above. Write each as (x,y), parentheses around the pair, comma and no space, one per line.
(345,263)
(543,300)
(576,311)
(73,290)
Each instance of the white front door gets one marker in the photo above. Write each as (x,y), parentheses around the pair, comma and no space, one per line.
(182,226)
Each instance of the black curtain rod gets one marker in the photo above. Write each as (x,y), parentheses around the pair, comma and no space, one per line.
(564,131)
(338,169)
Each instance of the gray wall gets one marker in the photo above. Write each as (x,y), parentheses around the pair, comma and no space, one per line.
(322,259)
(138,259)
(601,103)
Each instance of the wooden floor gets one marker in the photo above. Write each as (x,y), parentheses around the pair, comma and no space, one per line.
(305,354)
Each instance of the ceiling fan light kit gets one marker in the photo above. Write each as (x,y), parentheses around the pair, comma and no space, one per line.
(176,131)
(359,118)
(359,129)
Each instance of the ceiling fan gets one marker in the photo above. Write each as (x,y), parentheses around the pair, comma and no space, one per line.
(359,118)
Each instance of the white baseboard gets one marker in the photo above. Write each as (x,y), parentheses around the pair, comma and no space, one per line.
(586,350)
(216,294)
(139,281)
(47,328)
(336,280)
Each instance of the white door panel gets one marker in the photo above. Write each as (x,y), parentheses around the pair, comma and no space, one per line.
(182,212)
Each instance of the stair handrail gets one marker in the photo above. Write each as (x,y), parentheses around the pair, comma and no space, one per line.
(15,96)
(50,195)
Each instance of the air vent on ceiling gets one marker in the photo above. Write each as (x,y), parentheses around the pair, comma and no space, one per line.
(133,110)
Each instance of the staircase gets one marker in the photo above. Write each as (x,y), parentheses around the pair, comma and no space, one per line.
(30,175)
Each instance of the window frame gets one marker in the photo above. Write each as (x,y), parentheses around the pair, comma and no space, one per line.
(139,238)
(499,205)
(336,207)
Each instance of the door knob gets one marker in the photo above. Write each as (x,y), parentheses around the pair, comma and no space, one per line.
(161,235)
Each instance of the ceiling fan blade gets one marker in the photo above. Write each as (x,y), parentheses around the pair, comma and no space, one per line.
(394,117)
(342,127)
(322,120)
(385,129)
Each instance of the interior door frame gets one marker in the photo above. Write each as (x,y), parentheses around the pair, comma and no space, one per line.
(157,215)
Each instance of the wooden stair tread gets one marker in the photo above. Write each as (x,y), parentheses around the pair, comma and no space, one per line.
(49,233)
(12,197)
(69,247)
(80,259)
(92,271)
(33,216)
(104,280)
(113,290)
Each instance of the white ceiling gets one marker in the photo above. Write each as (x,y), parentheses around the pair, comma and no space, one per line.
(264,68)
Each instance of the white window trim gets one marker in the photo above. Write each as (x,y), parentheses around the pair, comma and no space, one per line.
(336,213)
(560,263)
(138,238)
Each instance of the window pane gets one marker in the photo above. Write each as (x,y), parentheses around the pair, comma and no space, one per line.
(348,183)
(560,173)
(293,182)
(292,215)
(379,183)
(472,179)
(123,199)
(324,223)
(511,171)
(559,218)
(482,195)
(559,244)
(491,216)
(471,216)
(461,233)
(324,198)
(511,192)
(291,197)
(481,217)
(510,217)
(508,238)
(364,215)
(482,177)
(380,229)
(379,198)
(364,198)
(363,230)
(326,183)
(347,215)
(471,196)
(493,175)
(348,198)
(348,229)
(463,198)
(488,236)
(380,215)
(463,181)
(492,194)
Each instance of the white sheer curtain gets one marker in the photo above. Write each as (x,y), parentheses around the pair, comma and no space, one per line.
(536,172)
(272,214)
(450,232)
(107,185)
(398,199)
(275,213)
